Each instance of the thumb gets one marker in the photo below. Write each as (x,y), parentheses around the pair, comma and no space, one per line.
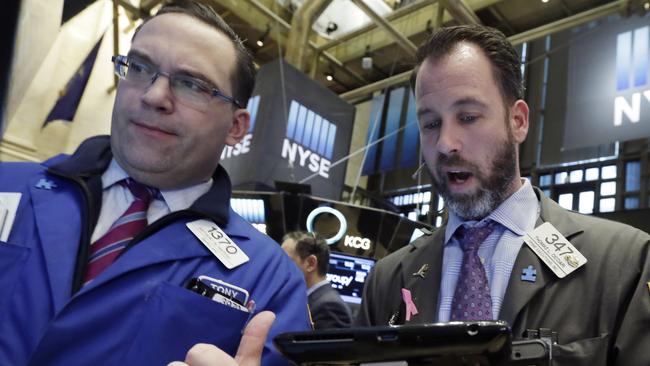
(250,349)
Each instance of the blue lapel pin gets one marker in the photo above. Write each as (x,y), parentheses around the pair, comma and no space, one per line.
(45,184)
(529,274)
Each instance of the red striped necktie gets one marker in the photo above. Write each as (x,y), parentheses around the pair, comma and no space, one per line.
(104,251)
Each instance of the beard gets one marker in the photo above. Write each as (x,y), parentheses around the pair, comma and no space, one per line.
(492,187)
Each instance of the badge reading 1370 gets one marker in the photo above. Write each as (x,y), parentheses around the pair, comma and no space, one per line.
(218,243)
(554,250)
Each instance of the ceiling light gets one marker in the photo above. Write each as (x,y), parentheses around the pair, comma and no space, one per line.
(366,61)
(260,41)
(331,28)
(544,1)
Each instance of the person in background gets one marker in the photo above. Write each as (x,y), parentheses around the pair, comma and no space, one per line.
(104,243)
(311,254)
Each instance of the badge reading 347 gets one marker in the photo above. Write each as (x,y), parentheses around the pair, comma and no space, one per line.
(554,250)
(218,243)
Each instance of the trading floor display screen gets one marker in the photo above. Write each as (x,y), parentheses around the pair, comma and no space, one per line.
(348,274)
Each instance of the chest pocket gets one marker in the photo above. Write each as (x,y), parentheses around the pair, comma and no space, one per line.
(12,263)
(585,352)
(175,319)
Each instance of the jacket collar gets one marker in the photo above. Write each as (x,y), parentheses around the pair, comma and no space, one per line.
(519,293)
(92,158)
(421,274)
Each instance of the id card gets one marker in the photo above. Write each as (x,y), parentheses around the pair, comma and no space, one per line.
(204,286)
(554,250)
(228,302)
(232,292)
(218,243)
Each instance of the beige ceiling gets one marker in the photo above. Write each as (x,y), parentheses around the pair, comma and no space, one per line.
(390,41)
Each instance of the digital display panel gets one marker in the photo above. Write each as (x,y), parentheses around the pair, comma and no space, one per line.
(348,274)
(252,210)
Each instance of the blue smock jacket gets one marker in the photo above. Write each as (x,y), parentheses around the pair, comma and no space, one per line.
(138,311)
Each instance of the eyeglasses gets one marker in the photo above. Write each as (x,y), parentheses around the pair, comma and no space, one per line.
(187,89)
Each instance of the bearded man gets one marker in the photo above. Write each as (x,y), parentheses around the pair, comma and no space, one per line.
(594,292)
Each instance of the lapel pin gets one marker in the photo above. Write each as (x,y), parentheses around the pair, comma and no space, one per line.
(393,318)
(45,184)
(529,274)
(422,272)
(411,309)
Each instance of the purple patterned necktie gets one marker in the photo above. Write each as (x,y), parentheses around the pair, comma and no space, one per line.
(472,299)
(104,251)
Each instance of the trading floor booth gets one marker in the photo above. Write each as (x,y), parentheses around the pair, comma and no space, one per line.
(358,236)
(302,136)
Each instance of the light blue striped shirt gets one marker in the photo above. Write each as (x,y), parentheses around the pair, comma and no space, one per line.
(516,216)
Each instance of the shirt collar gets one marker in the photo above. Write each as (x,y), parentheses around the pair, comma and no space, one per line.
(91,159)
(317,286)
(518,213)
(113,174)
(176,199)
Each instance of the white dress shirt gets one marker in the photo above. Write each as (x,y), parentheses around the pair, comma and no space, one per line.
(117,198)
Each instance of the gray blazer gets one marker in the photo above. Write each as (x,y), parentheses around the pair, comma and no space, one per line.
(601,311)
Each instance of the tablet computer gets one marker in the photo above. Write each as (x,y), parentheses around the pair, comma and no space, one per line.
(455,343)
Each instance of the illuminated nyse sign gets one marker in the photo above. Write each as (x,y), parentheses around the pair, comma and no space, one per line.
(244,146)
(351,241)
(309,140)
(631,73)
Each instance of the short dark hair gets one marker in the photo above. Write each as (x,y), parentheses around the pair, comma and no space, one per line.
(311,244)
(506,64)
(243,79)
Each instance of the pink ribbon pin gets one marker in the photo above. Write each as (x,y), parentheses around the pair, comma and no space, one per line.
(410,305)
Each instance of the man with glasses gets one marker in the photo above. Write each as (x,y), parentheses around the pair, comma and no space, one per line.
(127,252)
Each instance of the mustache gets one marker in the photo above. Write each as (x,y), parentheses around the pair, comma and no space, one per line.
(456,161)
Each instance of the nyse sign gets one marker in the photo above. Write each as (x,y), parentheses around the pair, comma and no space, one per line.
(306,158)
(309,140)
(607,87)
(631,73)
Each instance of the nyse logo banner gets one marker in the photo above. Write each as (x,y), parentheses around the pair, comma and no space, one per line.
(631,74)
(244,146)
(309,140)
(608,83)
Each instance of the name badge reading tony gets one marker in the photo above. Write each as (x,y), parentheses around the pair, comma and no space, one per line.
(554,250)
(218,243)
